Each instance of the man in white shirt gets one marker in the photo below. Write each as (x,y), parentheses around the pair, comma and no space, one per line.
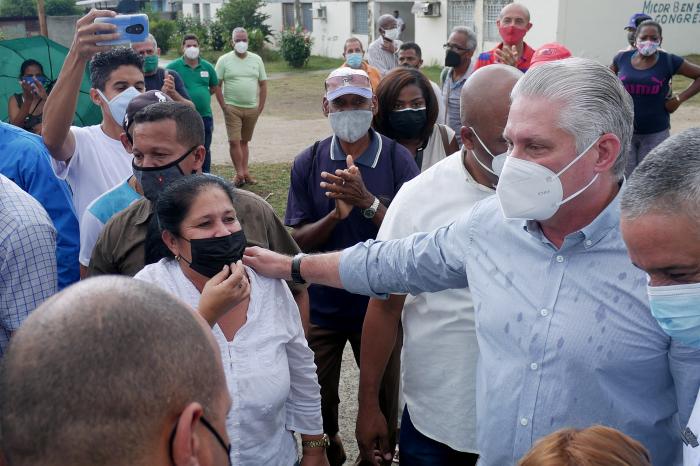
(400,23)
(382,53)
(661,227)
(92,159)
(411,56)
(438,327)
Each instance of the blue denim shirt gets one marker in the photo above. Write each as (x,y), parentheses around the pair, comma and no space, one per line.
(566,335)
(26,161)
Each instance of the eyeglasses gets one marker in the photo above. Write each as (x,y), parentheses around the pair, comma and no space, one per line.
(459,48)
(210,428)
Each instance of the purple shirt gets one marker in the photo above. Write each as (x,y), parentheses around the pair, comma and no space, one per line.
(648,89)
(385,166)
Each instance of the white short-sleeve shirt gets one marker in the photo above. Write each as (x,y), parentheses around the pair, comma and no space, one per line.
(98,164)
(270,370)
(440,352)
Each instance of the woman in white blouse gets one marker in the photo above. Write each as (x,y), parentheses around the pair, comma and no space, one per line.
(270,370)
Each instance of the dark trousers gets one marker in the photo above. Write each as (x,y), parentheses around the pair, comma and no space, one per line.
(328,346)
(208,131)
(418,450)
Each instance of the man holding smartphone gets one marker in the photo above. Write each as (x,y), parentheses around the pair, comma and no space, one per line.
(92,159)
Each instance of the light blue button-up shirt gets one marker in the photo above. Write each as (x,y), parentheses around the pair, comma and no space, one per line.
(565,335)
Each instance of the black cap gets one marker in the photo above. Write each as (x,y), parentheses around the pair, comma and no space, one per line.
(140,102)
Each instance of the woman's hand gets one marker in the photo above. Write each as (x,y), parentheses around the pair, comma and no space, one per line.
(672,104)
(224,291)
(314,458)
(39,89)
(27,91)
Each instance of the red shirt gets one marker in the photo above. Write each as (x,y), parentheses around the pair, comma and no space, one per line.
(489,58)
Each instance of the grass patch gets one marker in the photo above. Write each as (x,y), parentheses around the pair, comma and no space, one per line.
(315,63)
(432,72)
(273,182)
(296,96)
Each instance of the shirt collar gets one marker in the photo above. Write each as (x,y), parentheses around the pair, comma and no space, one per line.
(144,212)
(608,219)
(369,157)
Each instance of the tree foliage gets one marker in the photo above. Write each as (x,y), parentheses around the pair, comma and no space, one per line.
(17,8)
(295,47)
(61,8)
(244,13)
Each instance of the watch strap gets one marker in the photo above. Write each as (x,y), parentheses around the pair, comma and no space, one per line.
(296,269)
(318,443)
(370,211)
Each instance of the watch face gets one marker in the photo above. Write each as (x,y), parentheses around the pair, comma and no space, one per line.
(369,213)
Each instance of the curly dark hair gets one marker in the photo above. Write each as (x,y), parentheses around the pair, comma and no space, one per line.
(104,63)
(388,93)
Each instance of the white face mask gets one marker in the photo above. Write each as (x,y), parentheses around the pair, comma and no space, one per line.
(530,191)
(392,34)
(496,163)
(351,125)
(117,106)
(241,47)
(192,53)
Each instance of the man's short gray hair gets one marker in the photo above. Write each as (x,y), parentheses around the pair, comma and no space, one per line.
(668,179)
(593,101)
(383,19)
(469,34)
(152,40)
(238,29)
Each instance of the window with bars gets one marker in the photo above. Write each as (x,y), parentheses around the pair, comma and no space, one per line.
(307,22)
(460,13)
(360,18)
(492,8)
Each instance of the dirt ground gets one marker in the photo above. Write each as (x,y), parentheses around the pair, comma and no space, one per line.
(293,120)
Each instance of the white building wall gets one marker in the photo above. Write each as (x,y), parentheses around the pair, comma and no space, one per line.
(431,34)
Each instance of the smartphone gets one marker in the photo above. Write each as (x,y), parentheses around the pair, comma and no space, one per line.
(30,80)
(131,28)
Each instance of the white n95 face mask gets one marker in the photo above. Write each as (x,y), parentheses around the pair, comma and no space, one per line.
(392,34)
(530,191)
(241,47)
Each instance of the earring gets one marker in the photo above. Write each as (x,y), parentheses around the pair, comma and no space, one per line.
(177,258)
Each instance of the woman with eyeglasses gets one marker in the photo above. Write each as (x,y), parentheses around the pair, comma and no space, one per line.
(407,112)
(25,109)
(270,370)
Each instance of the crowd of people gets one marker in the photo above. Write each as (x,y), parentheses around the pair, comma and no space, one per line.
(512,254)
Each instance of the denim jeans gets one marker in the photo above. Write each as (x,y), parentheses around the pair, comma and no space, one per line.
(208,131)
(418,450)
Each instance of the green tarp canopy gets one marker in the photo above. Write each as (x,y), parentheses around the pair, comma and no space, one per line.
(51,55)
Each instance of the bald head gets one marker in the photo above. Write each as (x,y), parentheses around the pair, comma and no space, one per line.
(99,372)
(515,9)
(386,22)
(485,97)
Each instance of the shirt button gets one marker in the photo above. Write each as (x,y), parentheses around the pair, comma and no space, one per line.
(544,312)
(534,366)
(588,243)
(560,259)
(523,421)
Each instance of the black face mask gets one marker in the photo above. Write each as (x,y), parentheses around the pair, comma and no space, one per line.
(452,59)
(209,255)
(631,37)
(154,179)
(408,123)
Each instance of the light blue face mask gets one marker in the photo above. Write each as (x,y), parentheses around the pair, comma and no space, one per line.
(677,309)
(117,106)
(354,60)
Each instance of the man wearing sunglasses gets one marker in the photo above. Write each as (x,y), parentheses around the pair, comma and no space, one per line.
(459,50)
(127,375)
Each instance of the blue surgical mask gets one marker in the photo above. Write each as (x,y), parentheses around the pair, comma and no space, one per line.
(677,309)
(117,106)
(354,60)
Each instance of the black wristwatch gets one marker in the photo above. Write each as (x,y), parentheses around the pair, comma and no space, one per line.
(296,269)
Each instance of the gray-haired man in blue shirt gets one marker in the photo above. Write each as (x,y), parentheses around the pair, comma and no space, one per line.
(563,324)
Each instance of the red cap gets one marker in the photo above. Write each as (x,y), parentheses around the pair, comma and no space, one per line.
(550,52)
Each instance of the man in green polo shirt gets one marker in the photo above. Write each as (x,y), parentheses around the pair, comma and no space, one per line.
(242,74)
(201,82)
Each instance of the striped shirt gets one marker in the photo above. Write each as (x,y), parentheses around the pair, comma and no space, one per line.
(381,59)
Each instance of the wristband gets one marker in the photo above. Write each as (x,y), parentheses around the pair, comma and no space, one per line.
(296,269)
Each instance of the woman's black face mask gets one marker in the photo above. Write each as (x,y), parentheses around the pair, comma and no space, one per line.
(209,255)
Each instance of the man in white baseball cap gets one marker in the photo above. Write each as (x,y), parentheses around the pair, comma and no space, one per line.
(328,212)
